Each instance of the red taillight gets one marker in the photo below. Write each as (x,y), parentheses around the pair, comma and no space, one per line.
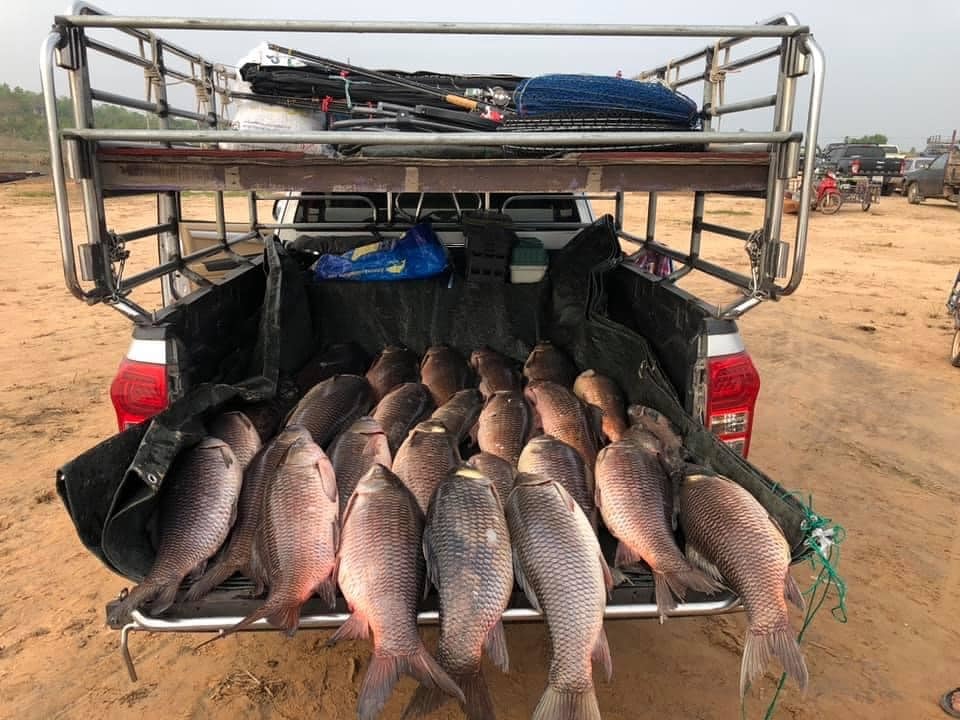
(138,392)
(733,384)
(903,167)
(855,167)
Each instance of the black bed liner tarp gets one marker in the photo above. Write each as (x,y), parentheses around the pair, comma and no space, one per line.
(110,491)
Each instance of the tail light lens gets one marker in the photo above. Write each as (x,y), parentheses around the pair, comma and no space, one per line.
(903,167)
(855,167)
(733,384)
(138,392)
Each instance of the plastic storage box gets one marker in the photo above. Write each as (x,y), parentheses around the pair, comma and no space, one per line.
(528,261)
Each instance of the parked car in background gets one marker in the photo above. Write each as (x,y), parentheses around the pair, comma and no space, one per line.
(863,159)
(909,165)
(940,179)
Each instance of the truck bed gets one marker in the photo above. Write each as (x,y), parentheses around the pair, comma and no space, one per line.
(111,491)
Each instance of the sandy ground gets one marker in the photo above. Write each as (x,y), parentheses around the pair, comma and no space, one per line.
(859,406)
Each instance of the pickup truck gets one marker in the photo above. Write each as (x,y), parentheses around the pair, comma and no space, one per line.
(240,316)
(872,160)
(940,179)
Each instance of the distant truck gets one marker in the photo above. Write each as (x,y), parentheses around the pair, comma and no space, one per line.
(864,159)
(940,179)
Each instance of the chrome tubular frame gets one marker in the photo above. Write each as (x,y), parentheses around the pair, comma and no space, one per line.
(68,47)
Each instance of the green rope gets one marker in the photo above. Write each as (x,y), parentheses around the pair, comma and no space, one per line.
(823,538)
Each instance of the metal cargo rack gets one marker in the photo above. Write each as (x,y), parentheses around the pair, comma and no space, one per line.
(168,161)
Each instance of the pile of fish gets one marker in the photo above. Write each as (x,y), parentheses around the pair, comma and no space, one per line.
(471,477)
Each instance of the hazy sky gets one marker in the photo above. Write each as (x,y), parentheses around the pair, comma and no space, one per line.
(891,66)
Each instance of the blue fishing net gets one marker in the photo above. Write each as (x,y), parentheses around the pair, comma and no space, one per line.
(585,93)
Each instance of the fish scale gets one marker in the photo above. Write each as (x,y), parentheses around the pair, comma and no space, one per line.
(394,366)
(496,371)
(332,405)
(401,409)
(198,505)
(427,455)
(236,430)
(299,531)
(238,553)
(547,362)
(561,568)
(504,425)
(636,500)
(496,469)
(381,573)
(563,416)
(356,450)
(467,547)
(444,371)
(554,460)
(601,392)
(726,528)
(459,414)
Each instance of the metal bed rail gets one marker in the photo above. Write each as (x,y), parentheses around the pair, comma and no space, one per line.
(103,254)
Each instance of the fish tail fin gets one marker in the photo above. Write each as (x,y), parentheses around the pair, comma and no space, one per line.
(665,586)
(477,705)
(560,705)
(139,596)
(758,649)
(213,577)
(164,598)
(385,671)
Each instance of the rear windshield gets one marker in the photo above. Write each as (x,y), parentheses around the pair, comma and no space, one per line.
(867,151)
(370,208)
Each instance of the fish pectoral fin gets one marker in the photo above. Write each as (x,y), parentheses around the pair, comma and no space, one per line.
(522,582)
(432,576)
(326,589)
(565,496)
(608,582)
(327,479)
(624,556)
(335,536)
(495,646)
(286,618)
(698,560)
(355,628)
(595,420)
(601,654)
(791,591)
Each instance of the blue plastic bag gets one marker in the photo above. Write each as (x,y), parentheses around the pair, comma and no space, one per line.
(418,254)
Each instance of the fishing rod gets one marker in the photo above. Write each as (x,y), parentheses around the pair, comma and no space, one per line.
(460,101)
